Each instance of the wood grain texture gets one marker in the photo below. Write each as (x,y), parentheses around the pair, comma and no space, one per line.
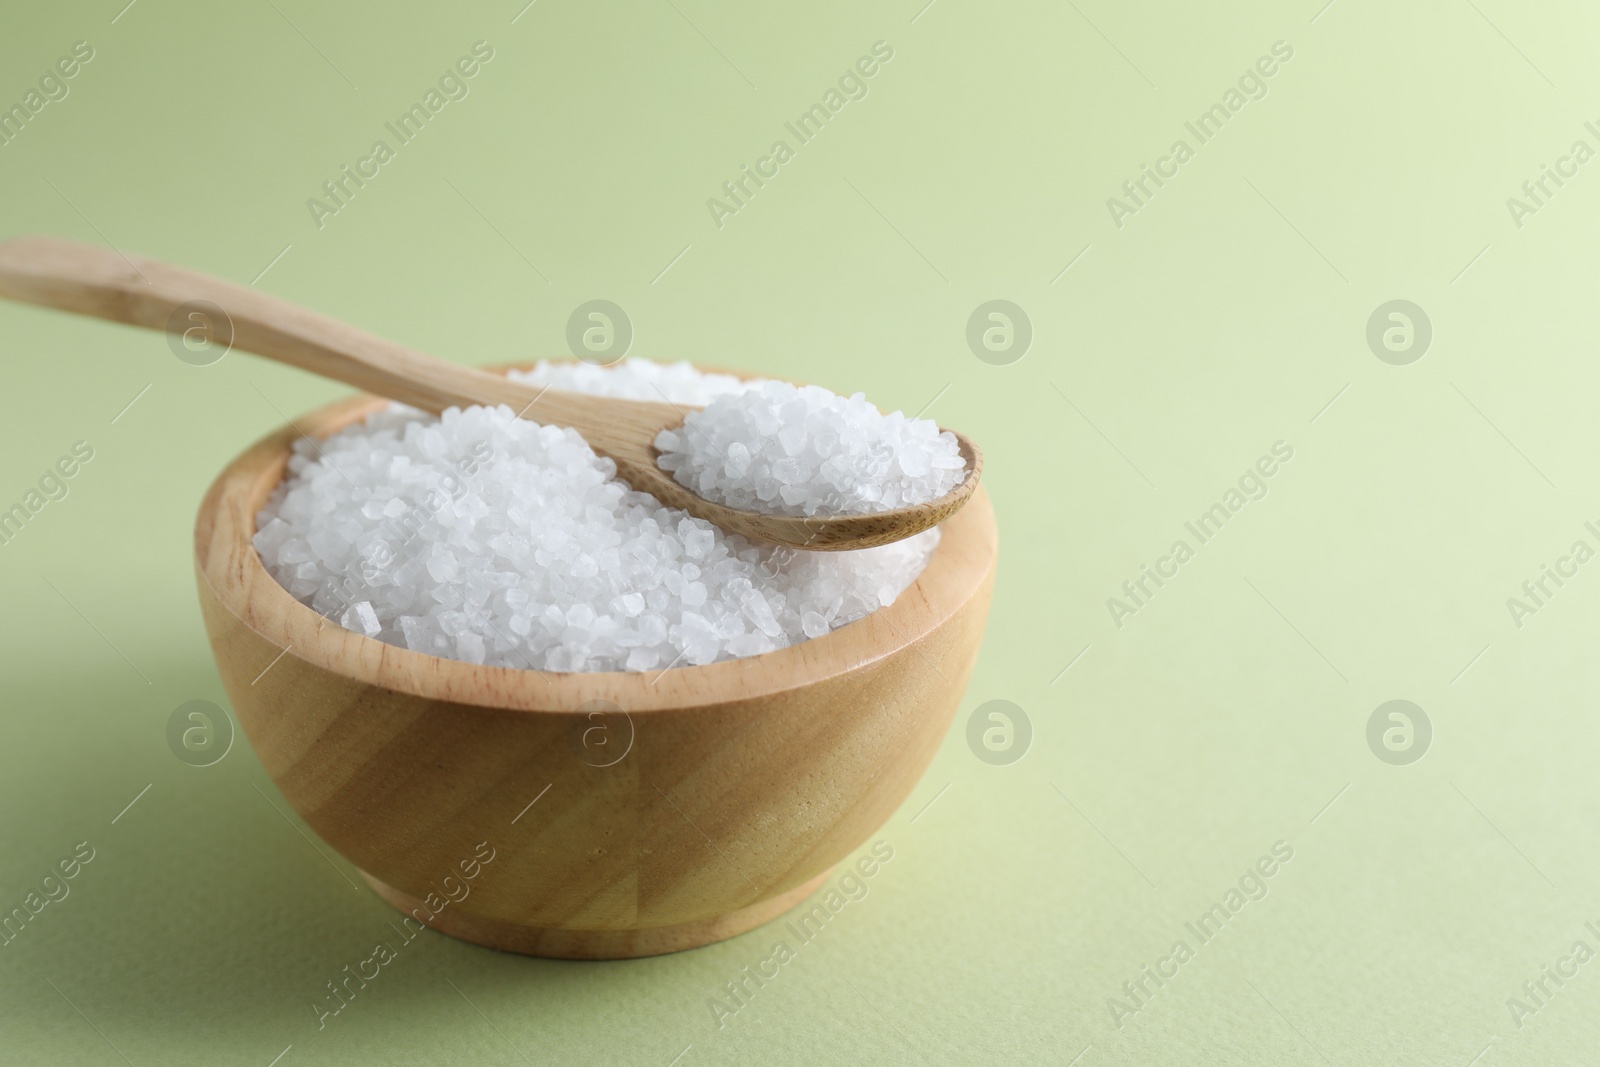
(103,283)
(667,809)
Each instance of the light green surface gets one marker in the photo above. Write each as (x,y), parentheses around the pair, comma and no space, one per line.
(1224,316)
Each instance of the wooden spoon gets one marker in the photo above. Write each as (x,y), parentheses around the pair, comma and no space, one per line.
(90,280)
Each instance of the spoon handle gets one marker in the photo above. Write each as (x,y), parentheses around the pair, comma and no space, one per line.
(103,283)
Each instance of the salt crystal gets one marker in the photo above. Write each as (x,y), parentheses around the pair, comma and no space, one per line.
(362,618)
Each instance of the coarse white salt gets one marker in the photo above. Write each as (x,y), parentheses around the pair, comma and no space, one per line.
(635,379)
(782,449)
(487,538)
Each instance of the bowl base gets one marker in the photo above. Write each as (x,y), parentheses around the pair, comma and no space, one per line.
(556,943)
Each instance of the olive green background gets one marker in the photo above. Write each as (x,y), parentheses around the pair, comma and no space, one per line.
(1229,313)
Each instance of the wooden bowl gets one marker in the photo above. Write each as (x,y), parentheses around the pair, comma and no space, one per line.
(621,814)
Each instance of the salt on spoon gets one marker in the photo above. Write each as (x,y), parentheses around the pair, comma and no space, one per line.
(802,450)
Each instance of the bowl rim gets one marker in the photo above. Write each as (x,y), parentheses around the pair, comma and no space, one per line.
(228,565)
